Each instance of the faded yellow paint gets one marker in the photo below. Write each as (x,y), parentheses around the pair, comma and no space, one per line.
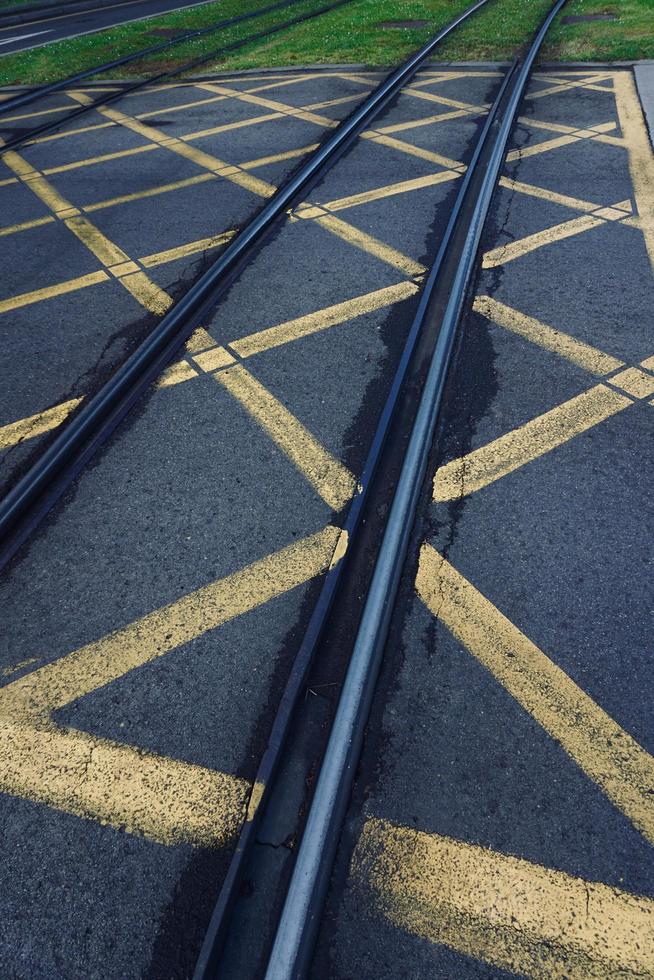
(531,920)
(634,382)
(36,425)
(181,251)
(515,449)
(213,359)
(147,293)
(641,158)
(49,292)
(331,480)
(331,316)
(548,236)
(390,190)
(102,158)
(177,185)
(25,225)
(566,86)
(252,99)
(604,751)
(367,243)
(587,357)
(415,151)
(126,787)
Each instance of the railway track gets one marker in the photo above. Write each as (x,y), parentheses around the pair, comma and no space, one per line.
(304,771)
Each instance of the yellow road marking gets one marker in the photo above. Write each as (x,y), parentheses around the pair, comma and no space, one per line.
(531,920)
(103,158)
(592,360)
(26,225)
(164,799)
(636,383)
(546,195)
(426,121)
(48,292)
(443,100)
(279,157)
(37,424)
(556,233)
(604,751)
(181,251)
(176,185)
(400,187)
(641,158)
(568,85)
(250,98)
(303,326)
(146,292)
(367,243)
(331,480)
(411,150)
(523,445)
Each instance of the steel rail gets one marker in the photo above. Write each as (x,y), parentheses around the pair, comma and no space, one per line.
(26,98)
(98,417)
(22,138)
(300,916)
(272,758)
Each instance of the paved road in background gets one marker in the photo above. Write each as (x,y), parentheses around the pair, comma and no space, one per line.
(40,30)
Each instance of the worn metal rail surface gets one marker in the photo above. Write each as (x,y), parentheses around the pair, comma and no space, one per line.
(34,494)
(298,923)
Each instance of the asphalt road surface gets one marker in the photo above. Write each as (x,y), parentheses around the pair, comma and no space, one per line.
(150,624)
(34,33)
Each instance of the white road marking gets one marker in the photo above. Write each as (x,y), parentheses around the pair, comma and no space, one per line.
(23,37)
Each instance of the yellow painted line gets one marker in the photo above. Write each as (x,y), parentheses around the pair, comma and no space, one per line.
(443,100)
(228,127)
(287,110)
(527,443)
(531,190)
(68,133)
(49,292)
(134,791)
(544,147)
(414,151)
(567,86)
(202,159)
(635,382)
(331,480)
(105,250)
(641,158)
(126,787)
(7,181)
(557,233)
(213,359)
(26,226)
(425,121)
(36,425)
(390,190)
(37,183)
(604,751)
(587,357)
(103,158)
(176,185)
(181,251)
(331,316)
(367,243)
(143,641)
(177,373)
(147,293)
(521,917)
(279,157)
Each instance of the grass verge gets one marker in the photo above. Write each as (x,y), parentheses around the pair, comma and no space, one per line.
(356,33)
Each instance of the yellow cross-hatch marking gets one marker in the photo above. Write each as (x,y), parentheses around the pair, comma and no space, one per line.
(600,747)
(167,800)
(534,921)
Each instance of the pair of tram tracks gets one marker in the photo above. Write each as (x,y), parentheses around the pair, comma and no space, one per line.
(22,138)
(358,592)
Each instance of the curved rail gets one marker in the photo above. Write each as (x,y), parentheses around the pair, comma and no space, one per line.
(95,420)
(305,896)
(22,138)
(26,98)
